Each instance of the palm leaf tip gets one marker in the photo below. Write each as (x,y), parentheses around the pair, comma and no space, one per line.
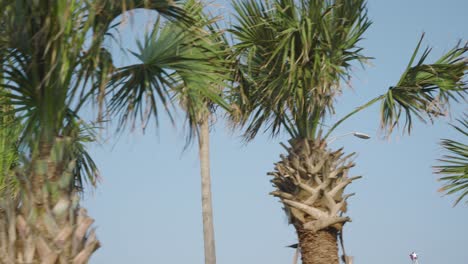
(424,90)
(453,167)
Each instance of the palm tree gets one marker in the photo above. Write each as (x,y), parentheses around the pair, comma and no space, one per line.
(454,166)
(186,64)
(52,64)
(292,56)
(199,108)
(295,54)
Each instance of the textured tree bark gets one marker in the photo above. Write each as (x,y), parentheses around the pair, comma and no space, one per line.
(207,207)
(46,225)
(318,247)
(310,181)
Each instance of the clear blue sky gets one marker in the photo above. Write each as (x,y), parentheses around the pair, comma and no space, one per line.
(148,207)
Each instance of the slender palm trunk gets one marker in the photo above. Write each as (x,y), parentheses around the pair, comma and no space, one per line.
(207,207)
(318,247)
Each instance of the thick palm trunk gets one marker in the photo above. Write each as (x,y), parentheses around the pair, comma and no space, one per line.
(45,238)
(207,207)
(318,247)
(310,182)
(46,224)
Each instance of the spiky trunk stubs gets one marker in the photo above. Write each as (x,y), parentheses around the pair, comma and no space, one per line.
(46,225)
(310,182)
(45,241)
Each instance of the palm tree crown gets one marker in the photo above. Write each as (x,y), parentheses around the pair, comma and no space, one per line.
(295,53)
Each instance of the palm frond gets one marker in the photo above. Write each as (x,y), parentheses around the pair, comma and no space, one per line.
(53,63)
(294,55)
(81,134)
(200,95)
(41,60)
(181,62)
(136,89)
(9,156)
(424,91)
(173,10)
(454,165)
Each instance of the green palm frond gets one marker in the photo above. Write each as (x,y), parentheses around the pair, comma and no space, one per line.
(200,95)
(52,64)
(293,55)
(9,156)
(81,134)
(138,89)
(40,70)
(454,165)
(170,9)
(425,90)
(13,156)
(177,60)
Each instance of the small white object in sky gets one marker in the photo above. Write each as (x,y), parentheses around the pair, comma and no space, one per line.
(413,256)
(361,135)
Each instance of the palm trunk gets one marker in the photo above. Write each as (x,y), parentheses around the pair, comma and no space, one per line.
(207,207)
(310,181)
(45,239)
(318,247)
(47,226)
